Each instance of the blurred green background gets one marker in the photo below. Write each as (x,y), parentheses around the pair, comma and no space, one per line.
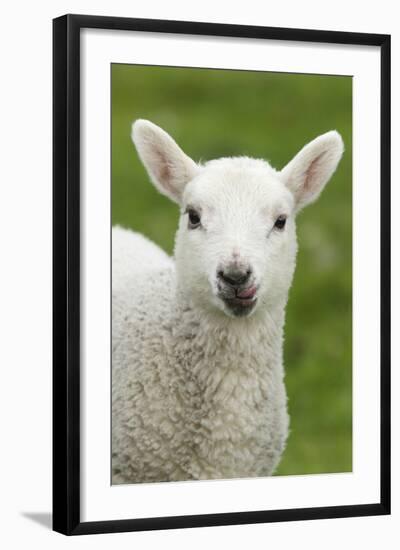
(213,113)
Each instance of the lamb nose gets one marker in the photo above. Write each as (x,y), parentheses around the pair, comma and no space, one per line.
(234,277)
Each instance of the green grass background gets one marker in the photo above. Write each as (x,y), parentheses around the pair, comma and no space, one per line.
(213,113)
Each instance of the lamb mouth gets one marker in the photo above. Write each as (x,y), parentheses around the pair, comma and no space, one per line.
(239,301)
(240,306)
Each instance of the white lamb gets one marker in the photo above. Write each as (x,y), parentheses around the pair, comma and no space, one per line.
(197,373)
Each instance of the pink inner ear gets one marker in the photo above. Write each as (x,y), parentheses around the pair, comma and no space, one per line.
(164,172)
(311,174)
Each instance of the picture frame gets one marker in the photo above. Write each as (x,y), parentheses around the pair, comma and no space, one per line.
(70,74)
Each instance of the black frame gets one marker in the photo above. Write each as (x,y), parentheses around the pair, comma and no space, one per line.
(66,273)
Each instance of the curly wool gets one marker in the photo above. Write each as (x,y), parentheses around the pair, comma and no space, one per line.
(198,389)
(194,396)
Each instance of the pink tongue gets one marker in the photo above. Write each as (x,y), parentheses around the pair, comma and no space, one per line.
(247,292)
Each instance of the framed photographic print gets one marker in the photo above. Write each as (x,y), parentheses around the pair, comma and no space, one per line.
(221,274)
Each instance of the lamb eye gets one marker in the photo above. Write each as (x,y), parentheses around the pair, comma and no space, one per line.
(280,222)
(194,219)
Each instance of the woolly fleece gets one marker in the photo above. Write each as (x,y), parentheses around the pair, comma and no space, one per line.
(198,393)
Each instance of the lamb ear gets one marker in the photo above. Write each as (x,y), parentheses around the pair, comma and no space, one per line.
(169,168)
(308,172)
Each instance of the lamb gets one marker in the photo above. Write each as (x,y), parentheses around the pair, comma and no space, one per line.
(197,373)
